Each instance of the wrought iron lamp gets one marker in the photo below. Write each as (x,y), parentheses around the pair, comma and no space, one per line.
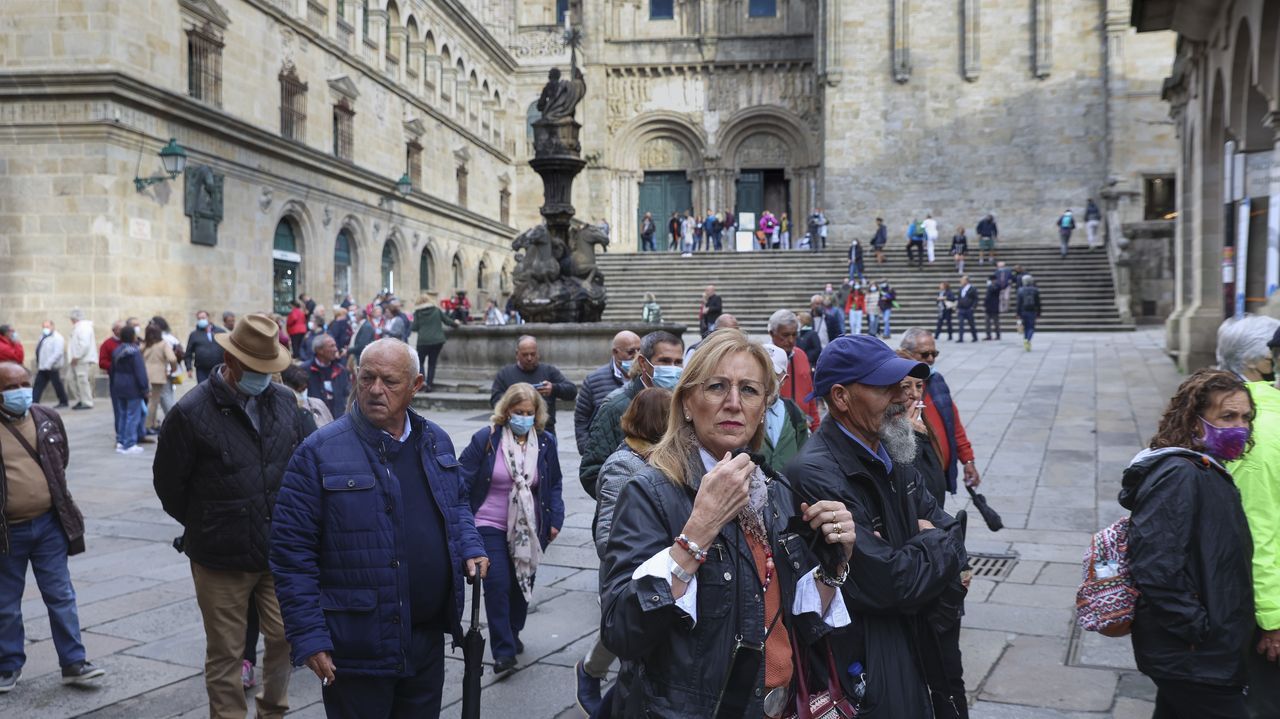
(174,159)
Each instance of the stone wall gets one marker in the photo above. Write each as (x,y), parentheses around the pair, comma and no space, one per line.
(1144,271)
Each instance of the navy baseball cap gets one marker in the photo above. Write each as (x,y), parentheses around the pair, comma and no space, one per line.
(863,359)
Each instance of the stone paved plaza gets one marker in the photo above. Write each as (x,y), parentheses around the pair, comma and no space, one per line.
(1052,429)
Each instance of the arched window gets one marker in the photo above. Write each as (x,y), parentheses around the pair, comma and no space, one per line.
(426,271)
(285,263)
(457,274)
(342,265)
(390,266)
(480,272)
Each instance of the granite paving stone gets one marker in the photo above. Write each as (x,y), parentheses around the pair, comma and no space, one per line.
(1053,430)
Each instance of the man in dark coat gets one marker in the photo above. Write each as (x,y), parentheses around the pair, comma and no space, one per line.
(904,576)
(371,540)
(712,307)
(40,526)
(602,382)
(222,453)
(545,378)
(202,351)
(661,364)
(329,380)
(941,413)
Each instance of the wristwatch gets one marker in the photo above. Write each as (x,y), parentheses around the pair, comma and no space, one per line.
(677,571)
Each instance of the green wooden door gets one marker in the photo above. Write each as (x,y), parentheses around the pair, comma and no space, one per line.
(750,193)
(662,193)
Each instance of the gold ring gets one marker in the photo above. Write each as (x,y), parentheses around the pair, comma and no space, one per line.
(837,527)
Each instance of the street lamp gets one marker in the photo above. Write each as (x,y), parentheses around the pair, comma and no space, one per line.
(404,185)
(174,160)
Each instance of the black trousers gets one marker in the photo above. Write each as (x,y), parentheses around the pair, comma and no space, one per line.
(944,316)
(49,376)
(412,697)
(967,316)
(1264,685)
(1179,699)
(430,355)
(993,320)
(915,252)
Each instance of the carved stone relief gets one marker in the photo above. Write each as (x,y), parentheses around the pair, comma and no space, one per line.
(763,150)
(663,153)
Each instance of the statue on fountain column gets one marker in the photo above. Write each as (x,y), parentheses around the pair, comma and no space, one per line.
(560,97)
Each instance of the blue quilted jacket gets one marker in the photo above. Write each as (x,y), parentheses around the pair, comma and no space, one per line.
(337,544)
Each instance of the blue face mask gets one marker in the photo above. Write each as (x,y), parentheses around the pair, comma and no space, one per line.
(626,366)
(202,323)
(666,376)
(17,401)
(253,383)
(520,423)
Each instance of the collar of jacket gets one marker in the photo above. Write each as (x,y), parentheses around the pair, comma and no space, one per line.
(849,455)
(372,436)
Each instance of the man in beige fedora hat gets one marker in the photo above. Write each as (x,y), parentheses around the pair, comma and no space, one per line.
(223,451)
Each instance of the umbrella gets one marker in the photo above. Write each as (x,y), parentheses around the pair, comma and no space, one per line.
(473,658)
(991,516)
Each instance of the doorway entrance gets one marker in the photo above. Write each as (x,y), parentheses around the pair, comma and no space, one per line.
(662,193)
(760,190)
(285,261)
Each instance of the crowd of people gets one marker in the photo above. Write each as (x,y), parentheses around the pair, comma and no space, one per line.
(714,231)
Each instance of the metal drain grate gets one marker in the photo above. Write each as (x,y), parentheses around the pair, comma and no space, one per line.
(992,566)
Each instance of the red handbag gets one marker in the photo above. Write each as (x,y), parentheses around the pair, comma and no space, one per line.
(828,704)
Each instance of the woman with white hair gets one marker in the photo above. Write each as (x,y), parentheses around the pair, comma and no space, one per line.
(1242,347)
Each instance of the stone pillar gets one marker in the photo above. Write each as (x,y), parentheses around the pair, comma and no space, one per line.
(901,41)
(829,29)
(970,58)
(431,77)
(417,50)
(1273,212)
(377,36)
(1041,38)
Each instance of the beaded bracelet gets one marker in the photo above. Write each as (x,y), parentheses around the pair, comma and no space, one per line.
(692,548)
(836,581)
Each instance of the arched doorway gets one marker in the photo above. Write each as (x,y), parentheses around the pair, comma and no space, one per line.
(457,274)
(665,187)
(342,265)
(426,271)
(285,264)
(390,266)
(762,159)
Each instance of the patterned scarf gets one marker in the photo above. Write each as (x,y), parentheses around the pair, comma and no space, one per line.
(522,510)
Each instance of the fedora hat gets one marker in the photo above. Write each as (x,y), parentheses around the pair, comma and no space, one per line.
(255,342)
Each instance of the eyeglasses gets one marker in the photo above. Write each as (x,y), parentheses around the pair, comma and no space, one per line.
(750,392)
(927,355)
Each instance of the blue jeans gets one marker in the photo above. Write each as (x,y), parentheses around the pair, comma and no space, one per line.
(873,320)
(129,427)
(504,603)
(646,243)
(42,543)
(417,695)
(1028,324)
(715,239)
(855,322)
(967,316)
(884,329)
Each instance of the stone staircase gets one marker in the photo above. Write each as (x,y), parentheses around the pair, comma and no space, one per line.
(1077,293)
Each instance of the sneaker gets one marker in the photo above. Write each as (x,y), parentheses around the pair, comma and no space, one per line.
(9,680)
(519,647)
(63,405)
(1026,344)
(81,672)
(246,675)
(135,449)
(119,447)
(81,405)
(504,665)
(588,690)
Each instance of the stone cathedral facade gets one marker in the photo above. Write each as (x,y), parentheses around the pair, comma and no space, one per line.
(298,118)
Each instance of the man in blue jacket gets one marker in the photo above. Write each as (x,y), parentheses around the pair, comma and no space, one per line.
(371,539)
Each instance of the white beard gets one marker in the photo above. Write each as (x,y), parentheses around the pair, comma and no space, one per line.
(896,434)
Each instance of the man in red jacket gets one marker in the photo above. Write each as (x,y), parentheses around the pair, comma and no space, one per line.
(109,346)
(10,348)
(784,327)
(941,413)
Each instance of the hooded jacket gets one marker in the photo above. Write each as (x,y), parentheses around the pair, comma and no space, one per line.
(1189,552)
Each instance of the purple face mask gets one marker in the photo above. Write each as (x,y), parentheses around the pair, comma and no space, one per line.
(1224,443)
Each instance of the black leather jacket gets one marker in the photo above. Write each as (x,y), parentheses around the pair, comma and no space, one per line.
(671,668)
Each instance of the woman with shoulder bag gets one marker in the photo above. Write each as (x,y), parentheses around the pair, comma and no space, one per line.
(1190,549)
(731,617)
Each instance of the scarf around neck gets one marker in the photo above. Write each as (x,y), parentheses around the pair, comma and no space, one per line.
(522,511)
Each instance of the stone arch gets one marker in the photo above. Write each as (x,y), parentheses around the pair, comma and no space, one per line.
(446,57)
(458,271)
(1239,80)
(664,128)
(1268,55)
(346,276)
(1209,253)
(429,39)
(392,262)
(428,267)
(775,121)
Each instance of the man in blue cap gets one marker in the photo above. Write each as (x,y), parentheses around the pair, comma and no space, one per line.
(904,578)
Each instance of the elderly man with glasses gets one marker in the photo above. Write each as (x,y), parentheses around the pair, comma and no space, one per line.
(941,413)
(1250,347)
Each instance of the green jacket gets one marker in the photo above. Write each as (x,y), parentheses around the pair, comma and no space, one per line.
(1257,476)
(605,433)
(795,431)
(429,322)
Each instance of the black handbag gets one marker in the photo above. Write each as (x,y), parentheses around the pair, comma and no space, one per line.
(989,515)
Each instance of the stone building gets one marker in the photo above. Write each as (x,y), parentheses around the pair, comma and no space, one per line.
(896,108)
(1224,97)
(299,116)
